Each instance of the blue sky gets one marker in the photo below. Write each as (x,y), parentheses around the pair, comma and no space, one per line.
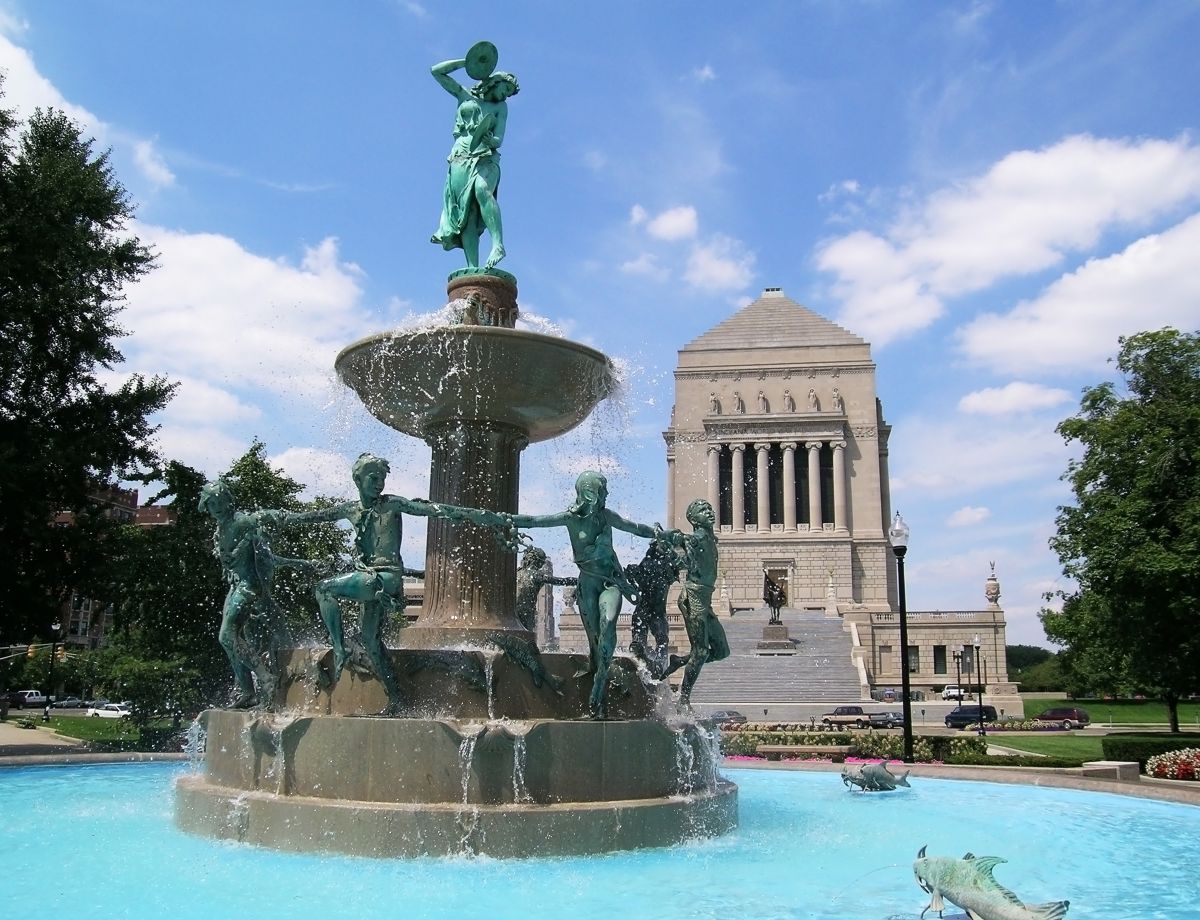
(990,193)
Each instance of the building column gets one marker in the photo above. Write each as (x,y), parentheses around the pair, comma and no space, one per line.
(839,486)
(763,452)
(814,484)
(738,486)
(789,486)
(714,481)
(670,492)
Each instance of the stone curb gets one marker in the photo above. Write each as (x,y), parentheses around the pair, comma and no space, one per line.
(61,759)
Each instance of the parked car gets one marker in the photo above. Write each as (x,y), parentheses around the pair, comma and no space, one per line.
(109,711)
(887,719)
(20,699)
(953,692)
(1066,717)
(69,702)
(727,716)
(845,716)
(971,714)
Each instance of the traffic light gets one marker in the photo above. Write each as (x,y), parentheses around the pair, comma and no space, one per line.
(60,653)
(30,652)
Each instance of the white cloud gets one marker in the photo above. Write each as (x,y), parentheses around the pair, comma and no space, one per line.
(637,215)
(12,23)
(212,310)
(674,224)
(323,472)
(152,164)
(1076,321)
(595,160)
(722,264)
(25,89)
(415,9)
(968,516)
(1017,396)
(646,265)
(704,74)
(1024,215)
(200,402)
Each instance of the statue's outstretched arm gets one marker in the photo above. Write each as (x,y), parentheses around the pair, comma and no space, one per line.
(641,530)
(441,72)
(318,516)
(559,519)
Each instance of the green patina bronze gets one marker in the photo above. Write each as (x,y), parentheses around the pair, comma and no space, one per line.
(377,581)
(969,884)
(705,633)
(250,630)
(602,581)
(469,203)
(653,577)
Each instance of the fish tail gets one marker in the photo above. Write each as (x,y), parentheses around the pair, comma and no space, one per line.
(1052,910)
(903,780)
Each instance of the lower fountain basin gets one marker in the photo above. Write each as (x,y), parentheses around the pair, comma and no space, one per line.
(415,381)
(411,787)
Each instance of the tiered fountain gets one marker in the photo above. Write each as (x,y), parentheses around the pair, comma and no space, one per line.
(494,749)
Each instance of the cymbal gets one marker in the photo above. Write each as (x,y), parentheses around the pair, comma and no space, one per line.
(482,60)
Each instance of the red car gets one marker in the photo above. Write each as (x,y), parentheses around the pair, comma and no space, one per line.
(1066,717)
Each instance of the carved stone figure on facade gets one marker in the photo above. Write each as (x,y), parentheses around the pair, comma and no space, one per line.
(250,618)
(705,633)
(789,404)
(652,578)
(763,406)
(532,575)
(838,405)
(377,582)
(739,407)
(991,587)
(473,177)
(814,404)
(602,582)
(714,404)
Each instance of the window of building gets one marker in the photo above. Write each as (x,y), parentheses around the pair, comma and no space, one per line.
(939,659)
(914,658)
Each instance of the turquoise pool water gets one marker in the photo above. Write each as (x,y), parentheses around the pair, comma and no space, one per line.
(98,842)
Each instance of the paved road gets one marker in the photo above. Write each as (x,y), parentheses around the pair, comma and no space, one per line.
(15,740)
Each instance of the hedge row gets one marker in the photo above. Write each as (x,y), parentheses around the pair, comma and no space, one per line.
(745,741)
(1141,747)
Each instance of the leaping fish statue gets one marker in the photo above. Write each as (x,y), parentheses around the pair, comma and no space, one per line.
(874,777)
(968,883)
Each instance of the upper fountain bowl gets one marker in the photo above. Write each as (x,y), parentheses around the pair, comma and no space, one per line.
(417,381)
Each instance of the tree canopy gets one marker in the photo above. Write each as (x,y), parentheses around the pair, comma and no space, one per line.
(65,258)
(1131,541)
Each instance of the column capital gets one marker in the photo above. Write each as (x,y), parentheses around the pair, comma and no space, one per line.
(814,445)
(762,445)
(838,445)
(714,448)
(788,445)
(737,448)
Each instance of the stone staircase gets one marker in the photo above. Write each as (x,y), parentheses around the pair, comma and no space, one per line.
(821,670)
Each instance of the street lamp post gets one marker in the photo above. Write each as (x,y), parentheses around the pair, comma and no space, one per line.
(54,628)
(980,676)
(958,673)
(899,536)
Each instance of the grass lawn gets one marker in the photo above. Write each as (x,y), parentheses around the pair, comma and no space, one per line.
(1052,744)
(93,729)
(1127,712)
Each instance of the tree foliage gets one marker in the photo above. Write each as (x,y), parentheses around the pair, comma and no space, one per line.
(1020,657)
(65,257)
(1131,541)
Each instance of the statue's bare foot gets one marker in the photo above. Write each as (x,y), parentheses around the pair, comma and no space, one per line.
(340,656)
(242,701)
(496,255)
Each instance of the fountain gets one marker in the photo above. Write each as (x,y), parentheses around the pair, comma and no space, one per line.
(467,739)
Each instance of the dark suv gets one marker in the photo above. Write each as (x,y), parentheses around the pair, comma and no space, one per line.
(962,716)
(1066,717)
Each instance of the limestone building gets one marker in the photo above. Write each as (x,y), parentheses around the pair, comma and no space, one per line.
(777,423)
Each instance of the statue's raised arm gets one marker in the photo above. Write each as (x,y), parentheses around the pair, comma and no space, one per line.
(469,203)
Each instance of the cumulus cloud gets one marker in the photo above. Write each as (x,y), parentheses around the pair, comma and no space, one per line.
(704,74)
(1025,214)
(323,472)
(25,89)
(1076,321)
(674,224)
(722,264)
(1017,396)
(967,516)
(201,402)
(638,215)
(645,265)
(12,23)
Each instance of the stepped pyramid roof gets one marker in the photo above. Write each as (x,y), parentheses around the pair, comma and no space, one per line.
(773,321)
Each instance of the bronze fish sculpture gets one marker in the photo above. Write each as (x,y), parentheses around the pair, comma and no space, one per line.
(874,777)
(968,883)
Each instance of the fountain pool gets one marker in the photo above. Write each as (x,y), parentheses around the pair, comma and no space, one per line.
(99,842)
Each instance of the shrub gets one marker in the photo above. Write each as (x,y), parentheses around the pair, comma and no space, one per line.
(976,759)
(1141,747)
(745,739)
(1181,764)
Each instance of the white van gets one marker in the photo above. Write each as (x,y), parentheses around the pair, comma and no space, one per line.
(953,692)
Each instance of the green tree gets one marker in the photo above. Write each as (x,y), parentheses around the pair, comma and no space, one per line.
(65,257)
(1131,541)
(1020,657)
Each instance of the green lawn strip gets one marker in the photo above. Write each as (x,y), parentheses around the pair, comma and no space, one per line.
(1052,744)
(93,729)
(1120,712)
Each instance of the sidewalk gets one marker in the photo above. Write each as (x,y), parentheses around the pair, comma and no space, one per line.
(17,741)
